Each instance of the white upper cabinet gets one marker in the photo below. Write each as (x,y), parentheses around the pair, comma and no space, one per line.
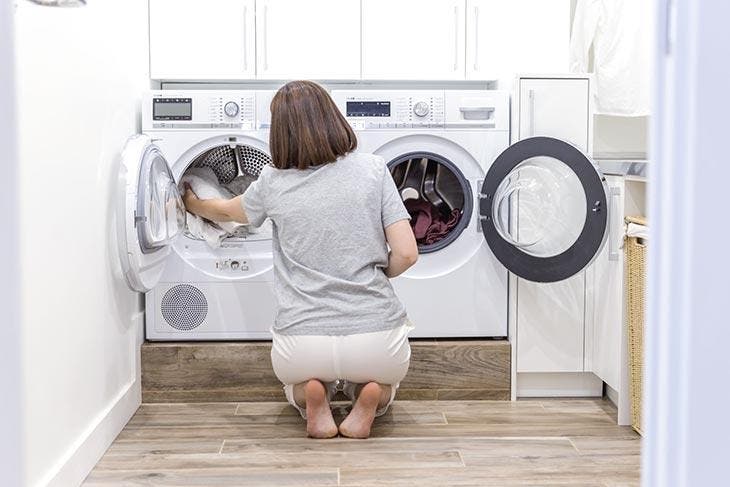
(192,39)
(413,39)
(556,108)
(308,39)
(510,37)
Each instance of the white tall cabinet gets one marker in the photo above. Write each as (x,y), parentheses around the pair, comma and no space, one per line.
(550,318)
(509,37)
(317,39)
(413,39)
(214,40)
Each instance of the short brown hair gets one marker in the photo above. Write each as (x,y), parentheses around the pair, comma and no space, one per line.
(307,129)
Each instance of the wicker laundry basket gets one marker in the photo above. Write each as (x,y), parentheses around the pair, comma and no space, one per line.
(635,249)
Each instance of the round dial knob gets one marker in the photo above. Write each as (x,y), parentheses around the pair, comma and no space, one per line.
(421,109)
(231,108)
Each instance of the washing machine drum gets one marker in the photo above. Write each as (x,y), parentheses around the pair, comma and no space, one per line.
(230,162)
(437,196)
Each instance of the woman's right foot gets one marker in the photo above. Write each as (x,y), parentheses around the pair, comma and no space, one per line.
(357,424)
(320,423)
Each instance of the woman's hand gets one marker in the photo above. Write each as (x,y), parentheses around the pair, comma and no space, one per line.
(190,199)
(216,210)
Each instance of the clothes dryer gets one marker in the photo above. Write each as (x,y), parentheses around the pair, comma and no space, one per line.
(194,291)
(480,207)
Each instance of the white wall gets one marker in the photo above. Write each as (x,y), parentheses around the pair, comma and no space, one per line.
(80,75)
(620,137)
(10,362)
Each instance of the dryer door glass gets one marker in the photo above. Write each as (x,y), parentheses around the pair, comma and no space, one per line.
(150,213)
(543,209)
(160,212)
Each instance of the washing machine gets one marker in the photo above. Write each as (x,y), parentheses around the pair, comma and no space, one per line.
(481,207)
(194,291)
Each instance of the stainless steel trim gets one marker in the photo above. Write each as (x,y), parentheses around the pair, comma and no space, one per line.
(265,36)
(476,38)
(630,169)
(245,39)
(59,3)
(456,38)
(476,109)
(613,253)
(531,96)
(164,126)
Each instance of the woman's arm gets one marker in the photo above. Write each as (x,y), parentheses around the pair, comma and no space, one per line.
(403,248)
(217,210)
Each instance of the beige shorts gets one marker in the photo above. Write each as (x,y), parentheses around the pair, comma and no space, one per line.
(342,362)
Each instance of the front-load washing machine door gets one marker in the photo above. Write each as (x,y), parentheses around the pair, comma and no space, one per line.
(150,213)
(543,209)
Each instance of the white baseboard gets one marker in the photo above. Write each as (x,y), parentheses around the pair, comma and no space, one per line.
(563,384)
(85,452)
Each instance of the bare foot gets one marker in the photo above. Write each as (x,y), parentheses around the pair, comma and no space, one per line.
(320,423)
(357,424)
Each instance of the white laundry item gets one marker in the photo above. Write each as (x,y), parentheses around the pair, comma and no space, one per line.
(620,32)
(205,185)
(636,230)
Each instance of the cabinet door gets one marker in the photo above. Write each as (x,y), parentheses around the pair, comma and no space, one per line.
(558,107)
(313,39)
(413,39)
(608,316)
(190,39)
(551,317)
(505,38)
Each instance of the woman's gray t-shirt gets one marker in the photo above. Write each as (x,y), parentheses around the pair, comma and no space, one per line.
(329,244)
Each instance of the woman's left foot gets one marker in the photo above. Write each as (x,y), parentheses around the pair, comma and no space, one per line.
(320,423)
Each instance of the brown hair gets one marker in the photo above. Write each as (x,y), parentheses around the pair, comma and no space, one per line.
(307,129)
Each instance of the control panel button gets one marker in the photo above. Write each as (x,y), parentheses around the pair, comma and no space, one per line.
(231,108)
(421,109)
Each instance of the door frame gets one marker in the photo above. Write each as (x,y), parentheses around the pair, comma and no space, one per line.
(686,364)
(12,448)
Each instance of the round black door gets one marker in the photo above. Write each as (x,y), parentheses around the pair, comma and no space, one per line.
(543,209)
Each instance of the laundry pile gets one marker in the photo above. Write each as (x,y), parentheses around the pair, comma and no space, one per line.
(205,185)
(428,223)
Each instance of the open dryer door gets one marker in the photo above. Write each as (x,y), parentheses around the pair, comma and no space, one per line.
(151,213)
(543,209)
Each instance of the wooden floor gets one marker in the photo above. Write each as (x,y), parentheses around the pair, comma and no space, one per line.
(417,443)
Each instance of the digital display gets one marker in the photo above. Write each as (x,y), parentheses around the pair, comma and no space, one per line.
(368,109)
(172,109)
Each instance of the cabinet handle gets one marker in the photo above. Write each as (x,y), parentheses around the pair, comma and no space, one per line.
(456,38)
(531,96)
(476,38)
(266,38)
(613,253)
(245,39)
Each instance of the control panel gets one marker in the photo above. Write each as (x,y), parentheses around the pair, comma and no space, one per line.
(199,109)
(391,109)
(400,109)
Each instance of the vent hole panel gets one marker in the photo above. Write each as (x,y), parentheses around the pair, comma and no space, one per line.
(184,307)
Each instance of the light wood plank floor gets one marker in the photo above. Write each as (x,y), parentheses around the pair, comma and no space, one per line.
(424,443)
